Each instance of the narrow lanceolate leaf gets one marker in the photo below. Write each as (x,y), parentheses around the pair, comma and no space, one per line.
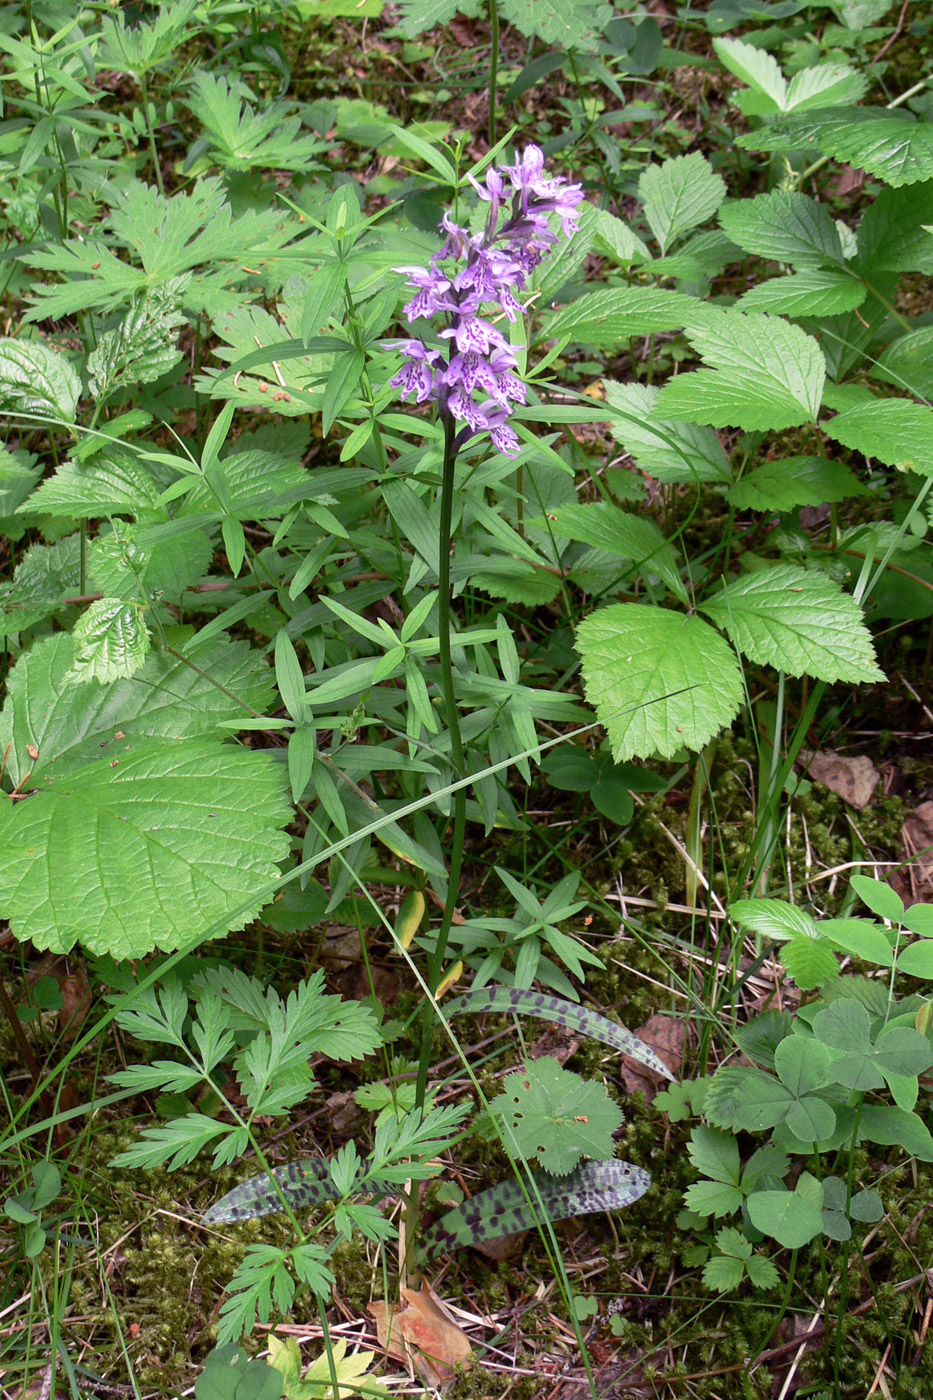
(34,379)
(786,227)
(891,145)
(810,293)
(898,432)
(111,641)
(508,1208)
(144,848)
(564,1013)
(607,320)
(303,1184)
(799,621)
(679,194)
(766,374)
(658,680)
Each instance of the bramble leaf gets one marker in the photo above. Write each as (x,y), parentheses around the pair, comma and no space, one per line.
(658,680)
(784,226)
(789,482)
(111,641)
(799,621)
(608,319)
(897,432)
(678,194)
(144,849)
(34,379)
(668,451)
(888,144)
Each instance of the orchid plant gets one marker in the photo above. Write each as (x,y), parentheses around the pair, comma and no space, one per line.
(469,273)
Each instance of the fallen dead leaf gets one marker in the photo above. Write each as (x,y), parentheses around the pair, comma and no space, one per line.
(917,835)
(665,1036)
(853,779)
(420,1330)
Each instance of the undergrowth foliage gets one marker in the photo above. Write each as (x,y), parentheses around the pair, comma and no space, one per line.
(302,615)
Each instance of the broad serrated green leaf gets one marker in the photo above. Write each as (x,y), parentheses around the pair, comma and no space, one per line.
(658,680)
(565,24)
(908,363)
(894,234)
(897,432)
(616,240)
(111,642)
(679,194)
(254,482)
(121,567)
(723,1273)
(715,1154)
(745,1099)
(810,293)
(825,85)
(670,452)
(888,144)
(784,226)
(712,1198)
(142,346)
(143,849)
(799,621)
(114,483)
(766,373)
(36,379)
(773,919)
(167,698)
(632,537)
(756,67)
(809,962)
(789,482)
(785,1217)
(554,1115)
(608,319)
(43,579)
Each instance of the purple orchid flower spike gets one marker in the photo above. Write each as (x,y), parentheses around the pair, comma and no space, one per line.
(471,272)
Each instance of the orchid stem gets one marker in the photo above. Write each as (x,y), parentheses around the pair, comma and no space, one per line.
(452,721)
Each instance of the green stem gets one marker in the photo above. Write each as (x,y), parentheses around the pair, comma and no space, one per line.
(452,721)
(493,68)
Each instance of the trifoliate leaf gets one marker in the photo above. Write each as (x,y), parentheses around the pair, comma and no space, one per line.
(808,962)
(799,621)
(784,226)
(756,67)
(146,848)
(723,1273)
(766,373)
(111,640)
(679,194)
(790,482)
(658,680)
(608,320)
(825,85)
(35,379)
(554,1115)
(167,698)
(630,536)
(670,452)
(816,293)
(897,432)
(888,144)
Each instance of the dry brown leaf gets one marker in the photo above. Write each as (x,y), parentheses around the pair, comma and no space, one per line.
(665,1035)
(853,779)
(76,1001)
(918,838)
(420,1330)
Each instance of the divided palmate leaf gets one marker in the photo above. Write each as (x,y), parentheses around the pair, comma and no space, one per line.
(890,145)
(658,680)
(564,1013)
(418,16)
(679,194)
(766,373)
(554,1115)
(143,849)
(799,621)
(565,24)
